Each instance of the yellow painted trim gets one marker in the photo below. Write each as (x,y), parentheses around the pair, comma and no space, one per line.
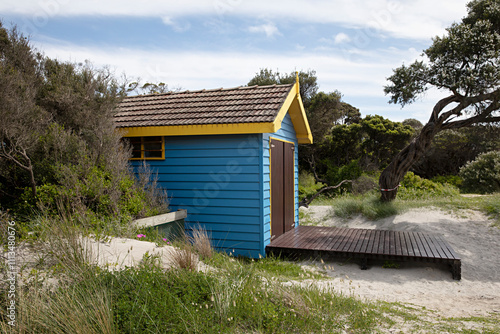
(190,130)
(279,139)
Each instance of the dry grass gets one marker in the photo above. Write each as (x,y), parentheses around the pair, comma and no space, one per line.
(201,243)
(183,258)
(80,310)
(79,304)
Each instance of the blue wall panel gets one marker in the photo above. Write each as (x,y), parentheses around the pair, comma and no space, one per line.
(218,179)
(224,183)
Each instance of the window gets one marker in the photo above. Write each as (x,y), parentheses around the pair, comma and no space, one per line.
(147,148)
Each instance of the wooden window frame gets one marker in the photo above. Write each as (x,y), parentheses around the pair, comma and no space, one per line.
(143,157)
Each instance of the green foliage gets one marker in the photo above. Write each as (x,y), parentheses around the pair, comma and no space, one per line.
(465,61)
(307,80)
(414,186)
(491,205)
(364,183)
(391,265)
(95,193)
(308,185)
(349,150)
(342,145)
(453,180)
(335,174)
(451,149)
(483,174)
(149,299)
(384,138)
(61,153)
(414,123)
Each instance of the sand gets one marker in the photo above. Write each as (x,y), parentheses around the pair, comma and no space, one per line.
(428,285)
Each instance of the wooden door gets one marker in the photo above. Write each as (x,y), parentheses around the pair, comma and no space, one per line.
(282,187)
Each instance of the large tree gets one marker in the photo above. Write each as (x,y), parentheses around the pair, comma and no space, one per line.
(22,120)
(308,81)
(465,64)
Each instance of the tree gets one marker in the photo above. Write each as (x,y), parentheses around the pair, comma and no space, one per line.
(307,80)
(414,123)
(466,64)
(383,139)
(150,88)
(22,120)
(323,112)
(451,149)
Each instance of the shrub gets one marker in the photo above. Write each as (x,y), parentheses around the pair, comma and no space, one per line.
(335,174)
(483,174)
(308,185)
(364,184)
(453,180)
(413,186)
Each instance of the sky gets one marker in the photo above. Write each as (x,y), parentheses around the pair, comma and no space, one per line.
(352,45)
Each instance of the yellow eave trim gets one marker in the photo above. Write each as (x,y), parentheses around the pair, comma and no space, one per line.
(292,104)
(190,130)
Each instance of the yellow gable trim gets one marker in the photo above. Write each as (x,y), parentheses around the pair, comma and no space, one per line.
(292,105)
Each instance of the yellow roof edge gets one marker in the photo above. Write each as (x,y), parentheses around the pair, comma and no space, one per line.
(192,130)
(296,115)
(305,139)
(285,106)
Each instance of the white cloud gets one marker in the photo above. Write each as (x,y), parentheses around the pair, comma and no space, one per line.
(268,28)
(360,81)
(407,19)
(341,38)
(179,27)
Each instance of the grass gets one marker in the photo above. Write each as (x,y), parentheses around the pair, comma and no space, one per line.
(237,295)
(370,206)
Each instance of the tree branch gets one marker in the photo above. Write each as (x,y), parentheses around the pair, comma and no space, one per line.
(440,106)
(312,163)
(305,202)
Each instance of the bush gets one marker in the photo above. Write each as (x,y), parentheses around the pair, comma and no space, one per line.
(453,180)
(413,186)
(482,175)
(364,184)
(308,185)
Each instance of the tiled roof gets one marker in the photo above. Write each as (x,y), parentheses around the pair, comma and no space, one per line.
(256,104)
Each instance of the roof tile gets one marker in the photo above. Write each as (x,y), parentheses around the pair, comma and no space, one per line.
(254,104)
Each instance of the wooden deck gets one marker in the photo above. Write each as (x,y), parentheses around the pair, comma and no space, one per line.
(364,244)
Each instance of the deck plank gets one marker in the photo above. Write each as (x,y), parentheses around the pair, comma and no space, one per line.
(367,244)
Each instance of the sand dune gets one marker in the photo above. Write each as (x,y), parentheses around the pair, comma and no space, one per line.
(472,236)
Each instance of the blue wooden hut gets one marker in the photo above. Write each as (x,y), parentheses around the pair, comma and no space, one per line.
(228,156)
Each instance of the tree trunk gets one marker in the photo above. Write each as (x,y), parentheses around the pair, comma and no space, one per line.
(393,174)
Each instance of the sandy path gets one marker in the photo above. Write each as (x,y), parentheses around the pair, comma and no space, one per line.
(426,284)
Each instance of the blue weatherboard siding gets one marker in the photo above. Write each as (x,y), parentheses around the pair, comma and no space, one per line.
(224,183)
(286,133)
(218,179)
